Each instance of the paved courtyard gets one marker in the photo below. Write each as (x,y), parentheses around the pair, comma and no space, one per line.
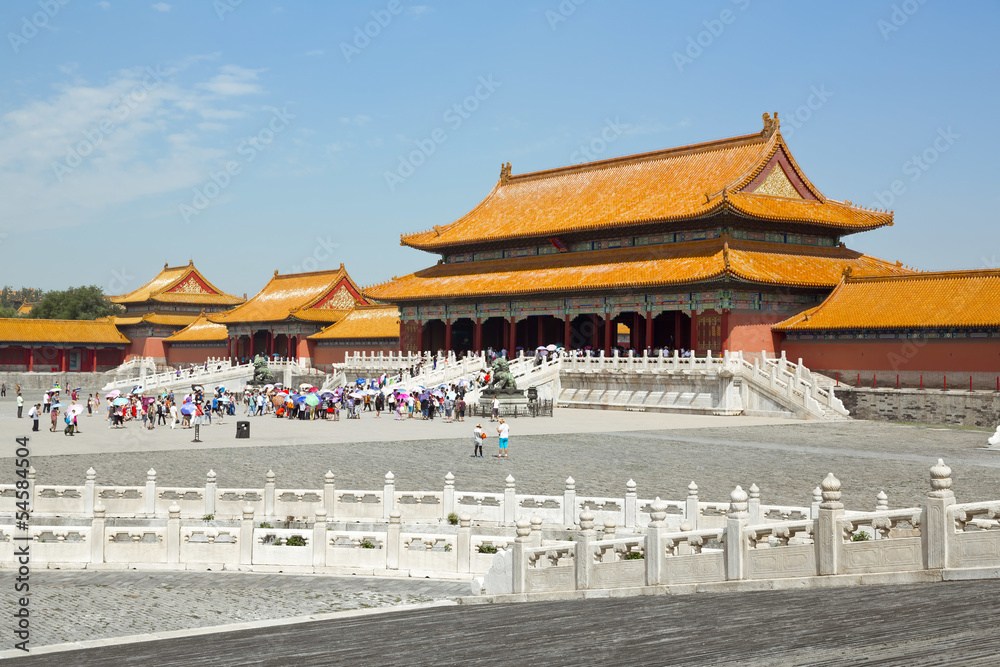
(601,450)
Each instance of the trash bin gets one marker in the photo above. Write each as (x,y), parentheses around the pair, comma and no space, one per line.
(242,429)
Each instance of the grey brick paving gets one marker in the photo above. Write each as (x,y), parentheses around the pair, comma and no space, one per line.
(80,605)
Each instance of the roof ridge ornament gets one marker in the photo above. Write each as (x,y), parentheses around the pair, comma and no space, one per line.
(505,173)
(770,125)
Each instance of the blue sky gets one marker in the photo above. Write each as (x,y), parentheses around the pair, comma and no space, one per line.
(254,136)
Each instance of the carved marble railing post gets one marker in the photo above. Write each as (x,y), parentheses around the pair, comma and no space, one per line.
(246,535)
(816,500)
(211,492)
(935,528)
(150,508)
(509,501)
(463,543)
(392,539)
(684,548)
(630,504)
(536,530)
(90,493)
(329,494)
(388,495)
(583,559)
(736,519)
(828,537)
(691,513)
(319,539)
(97,534)
(654,556)
(881,502)
(448,498)
(174,534)
(269,495)
(609,534)
(519,564)
(569,503)
(753,505)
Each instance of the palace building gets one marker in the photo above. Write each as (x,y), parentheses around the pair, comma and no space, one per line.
(172,300)
(701,247)
(28,345)
(283,316)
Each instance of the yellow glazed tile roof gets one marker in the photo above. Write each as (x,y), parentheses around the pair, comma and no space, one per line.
(634,268)
(179,284)
(26,307)
(170,320)
(320,296)
(125,320)
(674,184)
(363,322)
(199,330)
(17,330)
(949,299)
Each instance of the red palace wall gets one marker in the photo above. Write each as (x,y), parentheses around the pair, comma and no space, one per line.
(145,347)
(963,355)
(194,355)
(751,332)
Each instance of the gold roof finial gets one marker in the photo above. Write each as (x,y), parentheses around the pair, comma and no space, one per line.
(770,125)
(505,173)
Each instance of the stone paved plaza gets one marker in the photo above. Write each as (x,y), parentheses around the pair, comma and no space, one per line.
(601,450)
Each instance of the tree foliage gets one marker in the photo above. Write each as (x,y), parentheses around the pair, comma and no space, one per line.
(8,311)
(75,303)
(13,298)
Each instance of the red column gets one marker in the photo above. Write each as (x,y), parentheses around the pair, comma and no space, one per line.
(31,359)
(270,344)
(447,335)
(567,330)
(724,335)
(594,331)
(93,360)
(62,359)
(609,325)
(694,331)
(477,335)
(513,338)
(649,330)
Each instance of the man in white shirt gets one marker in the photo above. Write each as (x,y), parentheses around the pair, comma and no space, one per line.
(496,409)
(478,435)
(503,430)
(34,414)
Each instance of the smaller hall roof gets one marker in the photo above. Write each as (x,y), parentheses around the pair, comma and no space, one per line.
(933,300)
(319,296)
(179,284)
(201,329)
(172,319)
(24,330)
(377,321)
(26,307)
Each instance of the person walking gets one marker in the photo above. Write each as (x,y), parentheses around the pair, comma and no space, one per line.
(173,416)
(90,405)
(54,416)
(20,404)
(47,402)
(34,413)
(503,431)
(496,409)
(379,405)
(478,435)
(3,389)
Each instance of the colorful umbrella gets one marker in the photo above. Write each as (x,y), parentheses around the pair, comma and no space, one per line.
(120,401)
(146,400)
(311,399)
(76,409)
(188,409)
(113,394)
(327,395)
(57,405)
(358,394)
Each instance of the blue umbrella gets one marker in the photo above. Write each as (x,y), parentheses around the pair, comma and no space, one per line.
(57,405)
(188,409)
(361,381)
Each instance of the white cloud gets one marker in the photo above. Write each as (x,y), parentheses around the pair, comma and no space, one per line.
(233,80)
(68,158)
(104,4)
(418,10)
(162,7)
(315,52)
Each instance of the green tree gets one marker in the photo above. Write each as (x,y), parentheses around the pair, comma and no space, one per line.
(13,298)
(75,303)
(8,311)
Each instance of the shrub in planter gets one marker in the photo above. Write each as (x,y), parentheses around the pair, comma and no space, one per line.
(295,541)
(487,549)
